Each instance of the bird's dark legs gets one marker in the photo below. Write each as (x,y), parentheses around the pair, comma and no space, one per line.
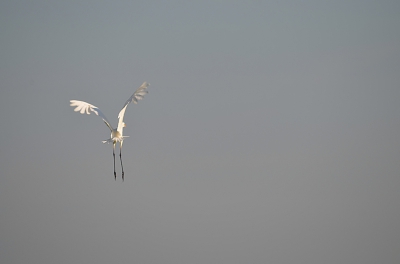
(115,174)
(120,158)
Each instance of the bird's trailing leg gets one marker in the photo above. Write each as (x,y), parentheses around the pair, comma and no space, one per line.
(115,174)
(120,158)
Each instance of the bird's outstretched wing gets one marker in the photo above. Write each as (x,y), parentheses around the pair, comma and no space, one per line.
(136,96)
(84,107)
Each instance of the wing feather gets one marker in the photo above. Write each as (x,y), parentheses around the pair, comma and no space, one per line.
(87,108)
(136,96)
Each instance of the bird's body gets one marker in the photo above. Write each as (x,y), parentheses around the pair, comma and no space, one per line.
(116,133)
(116,136)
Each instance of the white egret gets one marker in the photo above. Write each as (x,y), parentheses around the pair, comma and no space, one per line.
(116,133)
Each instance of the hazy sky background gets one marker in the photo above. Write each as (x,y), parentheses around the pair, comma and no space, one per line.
(270,133)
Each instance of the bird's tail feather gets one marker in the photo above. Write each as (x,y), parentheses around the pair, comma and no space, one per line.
(111,140)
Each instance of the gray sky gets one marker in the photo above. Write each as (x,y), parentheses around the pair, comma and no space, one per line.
(270,133)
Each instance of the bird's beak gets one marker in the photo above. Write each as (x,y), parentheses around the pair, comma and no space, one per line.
(124,125)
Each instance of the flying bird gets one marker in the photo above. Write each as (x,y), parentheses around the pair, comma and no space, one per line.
(116,133)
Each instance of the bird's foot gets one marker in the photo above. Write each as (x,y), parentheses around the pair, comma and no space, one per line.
(122,176)
(115,175)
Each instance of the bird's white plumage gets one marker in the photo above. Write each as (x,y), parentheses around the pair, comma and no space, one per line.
(116,134)
(136,96)
(84,107)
